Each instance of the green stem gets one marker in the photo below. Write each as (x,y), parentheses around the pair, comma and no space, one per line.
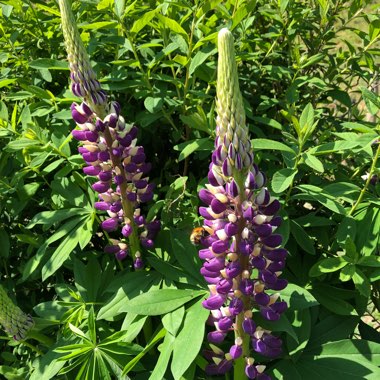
(32,347)
(367,182)
(45,340)
(239,366)
(295,167)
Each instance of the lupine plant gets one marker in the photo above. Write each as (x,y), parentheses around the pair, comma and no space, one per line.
(242,254)
(110,152)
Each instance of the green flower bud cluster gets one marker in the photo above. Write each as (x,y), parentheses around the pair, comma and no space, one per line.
(84,82)
(233,148)
(14,321)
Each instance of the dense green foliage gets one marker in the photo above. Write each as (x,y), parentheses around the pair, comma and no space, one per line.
(309,73)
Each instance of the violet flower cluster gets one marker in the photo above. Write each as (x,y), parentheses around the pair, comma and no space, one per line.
(242,255)
(110,152)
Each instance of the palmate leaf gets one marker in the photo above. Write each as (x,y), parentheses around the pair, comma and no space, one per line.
(189,339)
(173,321)
(345,359)
(159,335)
(166,350)
(158,302)
(62,253)
(127,286)
(48,364)
(297,297)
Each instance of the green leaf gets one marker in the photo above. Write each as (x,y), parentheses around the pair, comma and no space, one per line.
(85,281)
(311,192)
(155,339)
(162,363)
(185,253)
(346,230)
(311,61)
(199,58)
(267,121)
(367,332)
(153,105)
(21,144)
(242,13)
(337,146)
(341,96)
(98,25)
(171,272)
(50,64)
(297,297)
(61,254)
(158,302)
(78,332)
(358,127)
(47,366)
(191,146)
(189,339)
(282,179)
(356,350)
(141,22)
(172,25)
(347,359)
(374,29)
(307,119)
(330,298)
(347,272)
(350,249)
(313,162)
(48,218)
(302,238)
(332,264)
(261,144)
(332,328)
(172,321)
(196,121)
(371,99)
(312,220)
(369,261)
(7,82)
(123,288)
(345,190)
(362,283)
(301,323)
(133,324)
(41,94)
(368,227)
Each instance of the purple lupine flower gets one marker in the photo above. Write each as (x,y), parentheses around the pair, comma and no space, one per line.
(109,150)
(242,255)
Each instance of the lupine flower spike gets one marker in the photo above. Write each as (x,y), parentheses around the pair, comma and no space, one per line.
(242,254)
(110,152)
(14,321)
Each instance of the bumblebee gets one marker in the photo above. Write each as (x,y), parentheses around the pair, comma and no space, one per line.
(197,234)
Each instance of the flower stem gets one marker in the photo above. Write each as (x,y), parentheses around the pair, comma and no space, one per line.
(367,182)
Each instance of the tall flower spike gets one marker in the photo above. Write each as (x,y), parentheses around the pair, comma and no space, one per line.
(14,321)
(242,254)
(110,152)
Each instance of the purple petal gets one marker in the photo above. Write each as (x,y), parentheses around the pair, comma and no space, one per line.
(92,170)
(236,351)
(216,337)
